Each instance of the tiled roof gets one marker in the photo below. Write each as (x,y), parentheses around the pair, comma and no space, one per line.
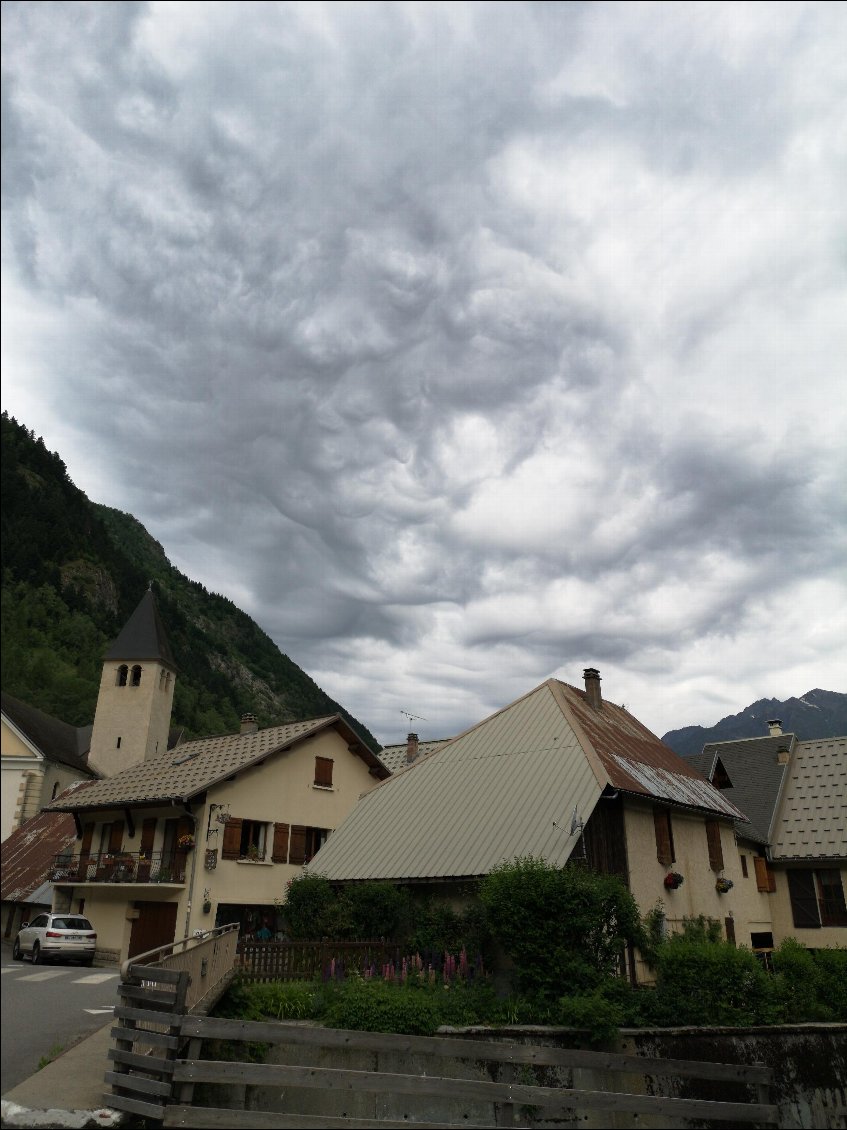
(507,787)
(812,819)
(143,636)
(57,740)
(194,766)
(393,757)
(28,852)
(757,778)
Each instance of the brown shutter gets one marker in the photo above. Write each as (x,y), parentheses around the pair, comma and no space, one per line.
(323,771)
(232,839)
(765,878)
(85,851)
(729,923)
(297,850)
(664,836)
(116,837)
(713,837)
(148,835)
(280,848)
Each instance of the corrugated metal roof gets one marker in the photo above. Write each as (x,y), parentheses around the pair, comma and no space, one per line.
(393,757)
(28,852)
(487,796)
(812,819)
(636,761)
(194,766)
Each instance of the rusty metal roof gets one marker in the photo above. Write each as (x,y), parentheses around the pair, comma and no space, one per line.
(27,854)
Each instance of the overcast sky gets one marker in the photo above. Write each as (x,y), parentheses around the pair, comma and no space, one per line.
(461,345)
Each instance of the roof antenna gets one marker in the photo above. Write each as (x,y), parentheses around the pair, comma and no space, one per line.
(412,717)
(576,823)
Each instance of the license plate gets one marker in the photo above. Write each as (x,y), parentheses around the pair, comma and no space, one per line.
(75,938)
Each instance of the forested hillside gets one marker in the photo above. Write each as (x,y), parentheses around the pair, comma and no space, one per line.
(73,572)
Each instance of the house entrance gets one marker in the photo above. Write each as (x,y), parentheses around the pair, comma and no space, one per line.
(155,926)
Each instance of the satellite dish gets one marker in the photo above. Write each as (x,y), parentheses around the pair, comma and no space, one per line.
(576,824)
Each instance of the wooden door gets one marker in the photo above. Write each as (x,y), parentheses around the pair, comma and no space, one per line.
(155,926)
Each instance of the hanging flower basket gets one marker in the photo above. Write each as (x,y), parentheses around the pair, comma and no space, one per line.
(723,885)
(185,843)
(673,880)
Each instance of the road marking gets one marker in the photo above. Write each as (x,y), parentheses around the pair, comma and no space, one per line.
(44,976)
(95,978)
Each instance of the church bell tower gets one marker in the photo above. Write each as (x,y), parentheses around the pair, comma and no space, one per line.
(133,716)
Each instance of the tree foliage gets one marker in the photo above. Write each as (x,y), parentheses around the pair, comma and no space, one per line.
(564,928)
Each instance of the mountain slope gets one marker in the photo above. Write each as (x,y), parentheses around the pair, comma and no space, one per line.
(816,714)
(72,573)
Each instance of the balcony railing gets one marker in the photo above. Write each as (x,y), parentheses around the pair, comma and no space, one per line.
(120,867)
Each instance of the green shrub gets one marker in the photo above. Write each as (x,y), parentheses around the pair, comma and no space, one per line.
(831,970)
(373,1006)
(594,1013)
(810,986)
(564,928)
(286,1000)
(375,910)
(312,910)
(710,983)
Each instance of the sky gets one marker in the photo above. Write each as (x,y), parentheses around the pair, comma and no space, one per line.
(460,345)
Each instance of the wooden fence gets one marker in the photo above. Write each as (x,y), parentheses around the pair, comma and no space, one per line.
(513,1103)
(312,961)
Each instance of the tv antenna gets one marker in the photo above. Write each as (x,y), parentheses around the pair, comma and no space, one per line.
(412,717)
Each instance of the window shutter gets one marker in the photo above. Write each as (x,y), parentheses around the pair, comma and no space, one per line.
(729,923)
(297,850)
(116,836)
(804,899)
(713,837)
(232,839)
(148,834)
(323,771)
(87,837)
(765,878)
(664,836)
(280,847)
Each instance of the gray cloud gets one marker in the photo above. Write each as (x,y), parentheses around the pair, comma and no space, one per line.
(458,344)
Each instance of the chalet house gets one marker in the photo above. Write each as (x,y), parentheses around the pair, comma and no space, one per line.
(561,773)
(40,757)
(178,839)
(793,846)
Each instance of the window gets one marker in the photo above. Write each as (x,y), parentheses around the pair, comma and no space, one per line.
(245,839)
(765,878)
(817,898)
(122,675)
(55,791)
(664,836)
(323,772)
(743,859)
(713,838)
(136,676)
(305,843)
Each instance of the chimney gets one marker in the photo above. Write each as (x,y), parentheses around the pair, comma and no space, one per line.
(411,748)
(592,687)
(775,727)
(249,725)
(782,755)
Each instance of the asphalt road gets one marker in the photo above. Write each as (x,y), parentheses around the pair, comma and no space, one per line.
(48,1008)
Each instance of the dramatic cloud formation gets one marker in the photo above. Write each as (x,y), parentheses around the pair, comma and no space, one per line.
(459,344)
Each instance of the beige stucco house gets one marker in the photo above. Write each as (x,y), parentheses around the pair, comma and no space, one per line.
(40,757)
(175,840)
(561,773)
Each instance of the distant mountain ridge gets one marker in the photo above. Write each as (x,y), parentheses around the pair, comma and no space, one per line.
(816,714)
(73,572)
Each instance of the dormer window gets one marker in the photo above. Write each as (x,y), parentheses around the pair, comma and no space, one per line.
(122,676)
(136,675)
(720,777)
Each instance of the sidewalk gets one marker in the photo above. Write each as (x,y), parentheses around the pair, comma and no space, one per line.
(75,1080)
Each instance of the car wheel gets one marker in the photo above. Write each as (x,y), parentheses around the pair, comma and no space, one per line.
(16,951)
(36,954)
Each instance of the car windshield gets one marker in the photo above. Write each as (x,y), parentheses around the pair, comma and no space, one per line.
(71,924)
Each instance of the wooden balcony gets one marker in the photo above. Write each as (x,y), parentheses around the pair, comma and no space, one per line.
(120,867)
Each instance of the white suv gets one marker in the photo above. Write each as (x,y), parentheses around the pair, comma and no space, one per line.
(53,936)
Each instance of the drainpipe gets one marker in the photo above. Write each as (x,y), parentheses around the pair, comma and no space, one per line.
(193,818)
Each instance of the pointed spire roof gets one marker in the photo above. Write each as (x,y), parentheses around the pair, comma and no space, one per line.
(143,636)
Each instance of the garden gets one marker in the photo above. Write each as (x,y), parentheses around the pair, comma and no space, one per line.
(558,934)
